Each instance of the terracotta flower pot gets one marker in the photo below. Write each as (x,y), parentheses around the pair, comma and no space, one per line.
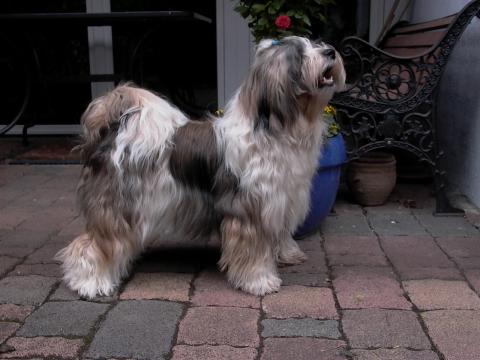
(372,178)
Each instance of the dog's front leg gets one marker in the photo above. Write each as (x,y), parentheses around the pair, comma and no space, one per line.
(289,253)
(248,256)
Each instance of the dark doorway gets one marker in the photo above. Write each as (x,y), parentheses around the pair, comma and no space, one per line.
(51,63)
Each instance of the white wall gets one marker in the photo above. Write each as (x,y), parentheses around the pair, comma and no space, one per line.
(459,100)
(234,50)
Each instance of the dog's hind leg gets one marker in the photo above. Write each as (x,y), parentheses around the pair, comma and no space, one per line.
(94,266)
(248,257)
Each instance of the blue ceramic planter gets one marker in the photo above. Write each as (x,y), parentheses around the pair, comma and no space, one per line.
(324,185)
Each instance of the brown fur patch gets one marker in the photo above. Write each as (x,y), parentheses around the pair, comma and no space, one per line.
(195,160)
(196,163)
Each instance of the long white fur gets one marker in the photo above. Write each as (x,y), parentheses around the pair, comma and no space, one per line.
(277,172)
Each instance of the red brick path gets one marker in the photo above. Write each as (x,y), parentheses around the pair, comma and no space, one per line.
(387,283)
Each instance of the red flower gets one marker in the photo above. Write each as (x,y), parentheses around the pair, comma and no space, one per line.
(283,22)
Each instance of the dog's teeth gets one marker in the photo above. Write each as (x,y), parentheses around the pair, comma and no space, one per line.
(328,80)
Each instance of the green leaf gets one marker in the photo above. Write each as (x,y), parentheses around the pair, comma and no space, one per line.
(277,4)
(285,32)
(306,20)
(322,18)
(302,29)
(242,10)
(262,21)
(258,8)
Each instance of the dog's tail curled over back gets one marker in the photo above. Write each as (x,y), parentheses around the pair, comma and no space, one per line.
(128,123)
(104,114)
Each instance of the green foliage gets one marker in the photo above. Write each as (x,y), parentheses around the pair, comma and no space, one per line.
(261,16)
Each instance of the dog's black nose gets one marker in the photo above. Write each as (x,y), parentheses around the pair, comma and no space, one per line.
(329,53)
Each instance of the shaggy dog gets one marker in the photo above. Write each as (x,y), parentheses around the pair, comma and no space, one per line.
(150,171)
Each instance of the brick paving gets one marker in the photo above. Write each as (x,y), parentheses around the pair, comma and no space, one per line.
(72,318)
(379,328)
(209,352)
(303,349)
(300,302)
(56,347)
(455,333)
(432,294)
(219,325)
(394,354)
(136,329)
(388,282)
(165,286)
(360,287)
(301,327)
(212,288)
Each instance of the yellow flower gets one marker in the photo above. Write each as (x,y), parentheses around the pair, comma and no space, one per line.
(219,113)
(329,110)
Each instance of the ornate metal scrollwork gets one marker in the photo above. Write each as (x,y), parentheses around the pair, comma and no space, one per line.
(389,127)
(384,79)
(394,81)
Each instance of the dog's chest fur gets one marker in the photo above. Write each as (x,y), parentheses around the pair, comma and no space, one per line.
(274,169)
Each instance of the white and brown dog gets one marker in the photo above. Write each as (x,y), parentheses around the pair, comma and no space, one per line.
(149,170)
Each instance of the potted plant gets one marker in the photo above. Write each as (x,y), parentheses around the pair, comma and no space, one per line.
(279,18)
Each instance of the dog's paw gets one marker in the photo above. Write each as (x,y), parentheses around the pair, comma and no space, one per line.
(91,288)
(85,271)
(263,284)
(292,258)
(290,254)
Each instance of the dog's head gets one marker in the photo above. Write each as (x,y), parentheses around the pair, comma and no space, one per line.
(288,77)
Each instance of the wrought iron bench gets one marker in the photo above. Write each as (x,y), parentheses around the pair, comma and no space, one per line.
(390,99)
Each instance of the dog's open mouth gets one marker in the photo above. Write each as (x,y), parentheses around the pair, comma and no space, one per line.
(326,78)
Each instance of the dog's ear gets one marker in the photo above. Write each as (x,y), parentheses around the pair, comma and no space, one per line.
(275,82)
